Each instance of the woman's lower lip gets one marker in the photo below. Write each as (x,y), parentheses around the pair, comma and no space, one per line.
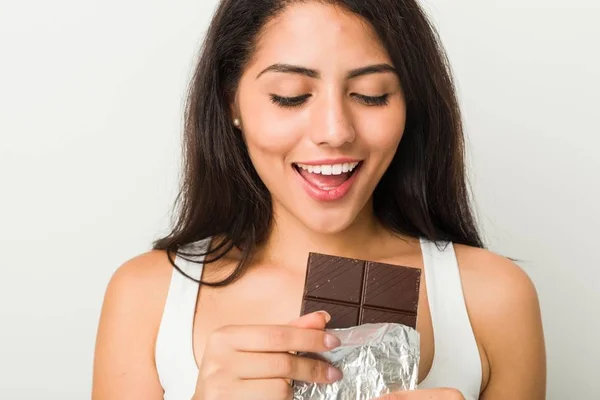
(336,193)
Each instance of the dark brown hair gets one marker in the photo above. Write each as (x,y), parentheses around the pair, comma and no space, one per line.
(424,191)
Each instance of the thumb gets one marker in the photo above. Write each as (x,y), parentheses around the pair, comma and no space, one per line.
(316,320)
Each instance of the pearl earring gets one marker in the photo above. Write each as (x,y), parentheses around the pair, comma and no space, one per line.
(236,122)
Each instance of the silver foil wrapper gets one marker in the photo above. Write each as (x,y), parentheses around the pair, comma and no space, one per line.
(376,359)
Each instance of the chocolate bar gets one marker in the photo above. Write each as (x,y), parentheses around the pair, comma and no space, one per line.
(356,292)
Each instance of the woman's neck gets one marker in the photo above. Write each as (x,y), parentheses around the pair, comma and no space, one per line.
(290,241)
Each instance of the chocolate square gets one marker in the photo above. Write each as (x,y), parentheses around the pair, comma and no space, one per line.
(357,292)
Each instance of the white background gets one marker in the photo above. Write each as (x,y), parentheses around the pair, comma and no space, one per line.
(91,96)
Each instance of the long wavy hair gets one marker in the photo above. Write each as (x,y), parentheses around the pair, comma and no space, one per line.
(424,192)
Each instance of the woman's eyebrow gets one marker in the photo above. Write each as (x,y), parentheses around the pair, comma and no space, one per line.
(312,73)
(371,69)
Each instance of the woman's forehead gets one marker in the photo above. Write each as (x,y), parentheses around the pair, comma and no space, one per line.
(312,33)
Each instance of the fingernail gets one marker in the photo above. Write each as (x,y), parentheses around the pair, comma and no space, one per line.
(331,342)
(326,315)
(334,374)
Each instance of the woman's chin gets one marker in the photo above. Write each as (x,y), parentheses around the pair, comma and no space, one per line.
(328,224)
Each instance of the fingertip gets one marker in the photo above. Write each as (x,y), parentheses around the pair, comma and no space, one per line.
(334,374)
(325,314)
(316,320)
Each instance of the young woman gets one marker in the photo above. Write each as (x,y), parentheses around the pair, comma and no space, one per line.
(324,126)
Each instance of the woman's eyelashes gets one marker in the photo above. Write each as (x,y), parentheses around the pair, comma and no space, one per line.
(372,101)
(297,101)
(289,101)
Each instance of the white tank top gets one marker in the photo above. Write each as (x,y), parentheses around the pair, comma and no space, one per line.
(456,361)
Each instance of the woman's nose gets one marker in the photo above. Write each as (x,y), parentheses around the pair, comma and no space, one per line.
(333,123)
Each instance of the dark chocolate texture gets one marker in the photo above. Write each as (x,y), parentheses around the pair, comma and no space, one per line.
(357,292)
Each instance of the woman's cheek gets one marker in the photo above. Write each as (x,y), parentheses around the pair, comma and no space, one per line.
(271,139)
(272,131)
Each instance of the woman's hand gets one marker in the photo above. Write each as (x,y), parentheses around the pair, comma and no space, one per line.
(426,394)
(254,362)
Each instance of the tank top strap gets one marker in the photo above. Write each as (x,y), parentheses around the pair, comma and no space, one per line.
(174,352)
(456,361)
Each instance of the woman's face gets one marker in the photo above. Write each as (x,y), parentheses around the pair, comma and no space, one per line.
(322,113)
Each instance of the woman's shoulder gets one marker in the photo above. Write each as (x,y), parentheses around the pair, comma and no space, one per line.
(504,310)
(142,278)
(142,270)
(492,280)
(138,288)
(128,327)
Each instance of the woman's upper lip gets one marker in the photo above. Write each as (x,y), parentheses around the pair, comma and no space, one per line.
(330,161)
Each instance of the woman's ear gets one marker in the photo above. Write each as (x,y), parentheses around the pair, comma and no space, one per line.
(234,111)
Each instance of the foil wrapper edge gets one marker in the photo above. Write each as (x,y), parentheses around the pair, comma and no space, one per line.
(376,359)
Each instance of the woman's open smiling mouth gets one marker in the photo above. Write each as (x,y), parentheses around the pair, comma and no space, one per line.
(328,180)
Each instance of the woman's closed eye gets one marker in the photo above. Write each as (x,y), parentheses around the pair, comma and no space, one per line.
(296,101)
(372,100)
(290,102)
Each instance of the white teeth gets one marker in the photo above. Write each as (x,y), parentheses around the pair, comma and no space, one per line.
(329,169)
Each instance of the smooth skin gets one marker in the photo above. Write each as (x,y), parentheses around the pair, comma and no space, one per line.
(242,334)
